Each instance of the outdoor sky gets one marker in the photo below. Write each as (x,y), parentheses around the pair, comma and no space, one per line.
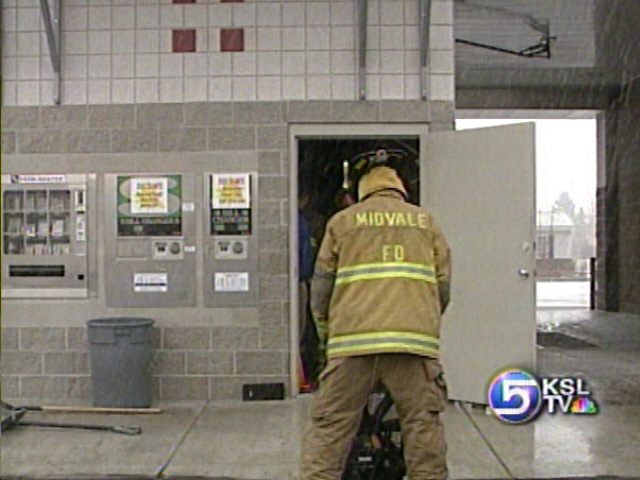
(565,158)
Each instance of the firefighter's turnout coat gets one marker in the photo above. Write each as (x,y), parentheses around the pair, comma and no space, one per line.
(382,274)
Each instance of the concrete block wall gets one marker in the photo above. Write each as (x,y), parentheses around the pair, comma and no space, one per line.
(189,364)
(615,47)
(123,51)
(622,207)
(194,358)
(601,277)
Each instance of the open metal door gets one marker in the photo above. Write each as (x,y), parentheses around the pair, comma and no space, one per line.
(480,185)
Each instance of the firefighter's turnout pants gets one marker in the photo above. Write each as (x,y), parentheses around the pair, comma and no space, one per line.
(417,388)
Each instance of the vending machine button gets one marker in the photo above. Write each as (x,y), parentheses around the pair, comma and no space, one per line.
(238,248)
(175,248)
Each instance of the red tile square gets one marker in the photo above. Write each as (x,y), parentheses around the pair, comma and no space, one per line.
(232,40)
(183,41)
(183,1)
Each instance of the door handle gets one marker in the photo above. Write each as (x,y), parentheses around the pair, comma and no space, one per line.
(523,272)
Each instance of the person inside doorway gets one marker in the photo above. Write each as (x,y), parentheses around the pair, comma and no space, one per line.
(380,285)
(343,199)
(306,257)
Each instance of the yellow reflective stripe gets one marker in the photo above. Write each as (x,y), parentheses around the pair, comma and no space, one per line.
(416,342)
(374,271)
(389,347)
(378,335)
(379,275)
(364,266)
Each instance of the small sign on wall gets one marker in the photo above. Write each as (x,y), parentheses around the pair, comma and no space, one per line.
(149,195)
(38,179)
(230,204)
(230,190)
(149,206)
(150,282)
(231,282)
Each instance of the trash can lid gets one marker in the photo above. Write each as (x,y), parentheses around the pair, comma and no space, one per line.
(120,322)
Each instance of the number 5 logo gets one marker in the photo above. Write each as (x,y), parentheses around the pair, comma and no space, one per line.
(510,389)
(514,396)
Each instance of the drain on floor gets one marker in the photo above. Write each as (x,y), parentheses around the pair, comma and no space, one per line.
(560,340)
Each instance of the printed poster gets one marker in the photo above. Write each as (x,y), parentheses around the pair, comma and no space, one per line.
(149,206)
(230,190)
(231,204)
(150,196)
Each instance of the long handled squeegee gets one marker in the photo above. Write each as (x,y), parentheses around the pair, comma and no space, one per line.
(12,417)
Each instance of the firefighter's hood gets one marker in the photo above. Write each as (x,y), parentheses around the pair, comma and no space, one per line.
(380,178)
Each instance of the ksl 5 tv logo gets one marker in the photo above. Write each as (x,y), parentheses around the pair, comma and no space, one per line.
(516,396)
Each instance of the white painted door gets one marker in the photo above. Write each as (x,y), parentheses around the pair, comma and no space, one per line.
(480,185)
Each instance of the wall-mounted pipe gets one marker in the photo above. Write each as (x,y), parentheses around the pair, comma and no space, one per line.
(425,22)
(362,49)
(52,31)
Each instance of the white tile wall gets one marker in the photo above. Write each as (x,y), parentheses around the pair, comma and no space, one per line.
(122,66)
(195,90)
(343,87)
(220,89)
(269,63)
(219,15)
(219,65)
(269,88)
(122,91)
(343,13)
(294,87)
(318,38)
(243,88)
(269,38)
(244,15)
(172,16)
(171,89)
(317,13)
(195,16)
(293,14)
(147,90)
(99,91)
(120,51)
(46,91)
(318,87)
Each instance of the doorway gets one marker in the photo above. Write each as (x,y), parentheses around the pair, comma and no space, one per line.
(322,160)
(325,170)
(566,182)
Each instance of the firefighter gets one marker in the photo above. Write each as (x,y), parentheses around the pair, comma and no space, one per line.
(380,285)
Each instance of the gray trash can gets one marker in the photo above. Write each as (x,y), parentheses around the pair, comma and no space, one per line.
(121,352)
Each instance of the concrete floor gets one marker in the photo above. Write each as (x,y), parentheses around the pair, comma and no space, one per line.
(261,440)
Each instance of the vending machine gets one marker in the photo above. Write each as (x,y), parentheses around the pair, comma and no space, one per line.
(45,231)
(150,241)
(230,241)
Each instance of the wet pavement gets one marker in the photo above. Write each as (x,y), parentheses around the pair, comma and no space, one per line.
(260,440)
